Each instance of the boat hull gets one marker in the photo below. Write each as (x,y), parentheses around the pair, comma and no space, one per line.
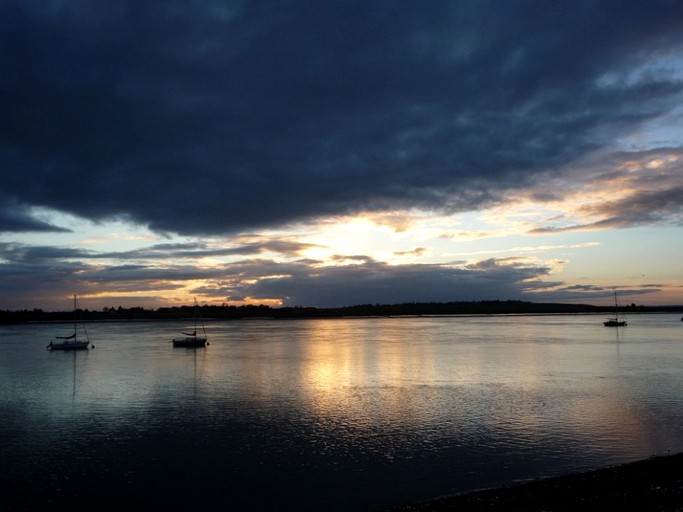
(69,345)
(190,342)
(615,323)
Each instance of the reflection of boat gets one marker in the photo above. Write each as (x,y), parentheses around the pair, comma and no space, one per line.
(616,321)
(192,340)
(71,342)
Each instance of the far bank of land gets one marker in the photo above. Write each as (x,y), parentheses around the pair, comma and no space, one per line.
(230,312)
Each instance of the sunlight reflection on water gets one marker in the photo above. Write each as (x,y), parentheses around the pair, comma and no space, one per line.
(346,412)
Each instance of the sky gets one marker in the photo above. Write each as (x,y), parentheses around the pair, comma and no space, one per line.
(307,153)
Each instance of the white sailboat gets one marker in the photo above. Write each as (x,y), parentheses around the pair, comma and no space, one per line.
(71,342)
(616,321)
(192,339)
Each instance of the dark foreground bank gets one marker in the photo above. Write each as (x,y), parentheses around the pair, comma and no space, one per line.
(654,484)
(651,485)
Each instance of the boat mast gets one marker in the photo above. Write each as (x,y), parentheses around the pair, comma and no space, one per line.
(195,315)
(616,311)
(75,319)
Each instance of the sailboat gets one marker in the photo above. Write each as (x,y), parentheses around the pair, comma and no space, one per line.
(191,339)
(616,321)
(71,342)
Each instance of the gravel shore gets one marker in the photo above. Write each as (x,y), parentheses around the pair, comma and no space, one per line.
(654,484)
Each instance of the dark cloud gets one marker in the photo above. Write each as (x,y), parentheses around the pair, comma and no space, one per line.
(588,293)
(238,247)
(41,254)
(304,283)
(26,285)
(15,217)
(215,117)
(12,221)
(40,276)
(370,281)
(646,188)
(12,251)
(642,208)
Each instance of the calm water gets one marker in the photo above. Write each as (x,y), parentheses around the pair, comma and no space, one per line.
(335,414)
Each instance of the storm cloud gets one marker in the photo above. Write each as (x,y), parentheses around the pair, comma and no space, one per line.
(211,117)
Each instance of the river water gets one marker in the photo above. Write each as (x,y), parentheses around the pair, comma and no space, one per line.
(339,414)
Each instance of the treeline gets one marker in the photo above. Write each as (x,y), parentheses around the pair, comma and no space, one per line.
(229,312)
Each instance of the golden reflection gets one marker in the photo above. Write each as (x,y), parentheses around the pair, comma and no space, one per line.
(366,377)
(363,370)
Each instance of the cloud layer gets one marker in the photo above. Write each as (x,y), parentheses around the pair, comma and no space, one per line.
(216,117)
(146,275)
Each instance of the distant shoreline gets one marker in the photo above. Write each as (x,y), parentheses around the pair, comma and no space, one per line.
(227,312)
